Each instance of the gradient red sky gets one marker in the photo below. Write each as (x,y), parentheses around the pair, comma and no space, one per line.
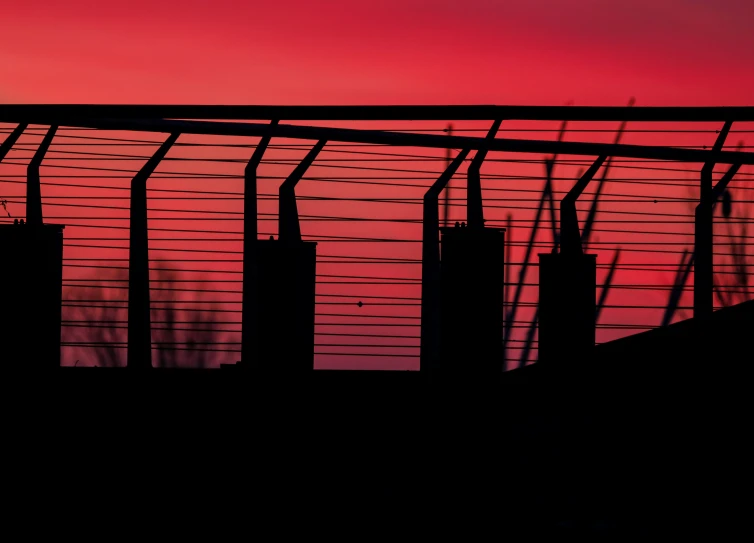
(682,52)
(593,52)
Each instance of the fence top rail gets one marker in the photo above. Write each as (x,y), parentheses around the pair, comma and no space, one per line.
(19,112)
(350,135)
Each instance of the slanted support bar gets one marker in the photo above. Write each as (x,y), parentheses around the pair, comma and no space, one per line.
(703,264)
(430,309)
(289,228)
(33,187)
(139,320)
(474,204)
(250,188)
(11,140)
(250,236)
(570,236)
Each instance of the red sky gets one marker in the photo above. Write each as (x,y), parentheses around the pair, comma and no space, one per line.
(683,52)
(593,52)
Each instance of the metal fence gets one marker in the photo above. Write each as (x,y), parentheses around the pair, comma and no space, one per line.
(362,202)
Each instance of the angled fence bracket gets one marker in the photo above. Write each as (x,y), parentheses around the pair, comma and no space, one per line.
(474,203)
(570,236)
(11,140)
(289,228)
(33,187)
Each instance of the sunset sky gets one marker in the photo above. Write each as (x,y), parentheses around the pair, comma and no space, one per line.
(682,52)
(534,52)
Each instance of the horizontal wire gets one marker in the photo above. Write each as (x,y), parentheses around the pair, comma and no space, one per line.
(328,259)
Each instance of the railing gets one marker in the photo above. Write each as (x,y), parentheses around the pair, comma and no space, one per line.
(362,200)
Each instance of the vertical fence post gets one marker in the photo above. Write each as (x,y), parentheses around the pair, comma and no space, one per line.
(139,319)
(703,262)
(250,237)
(429,350)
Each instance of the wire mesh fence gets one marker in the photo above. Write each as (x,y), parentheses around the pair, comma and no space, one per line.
(362,204)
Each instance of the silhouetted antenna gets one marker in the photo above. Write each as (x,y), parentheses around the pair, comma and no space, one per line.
(446,204)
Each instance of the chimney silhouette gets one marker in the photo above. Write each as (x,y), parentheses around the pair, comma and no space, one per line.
(32,279)
(568,288)
(279,282)
(472,282)
(285,283)
(472,278)
(31,275)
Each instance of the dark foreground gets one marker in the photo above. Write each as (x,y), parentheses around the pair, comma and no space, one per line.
(588,451)
(650,438)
